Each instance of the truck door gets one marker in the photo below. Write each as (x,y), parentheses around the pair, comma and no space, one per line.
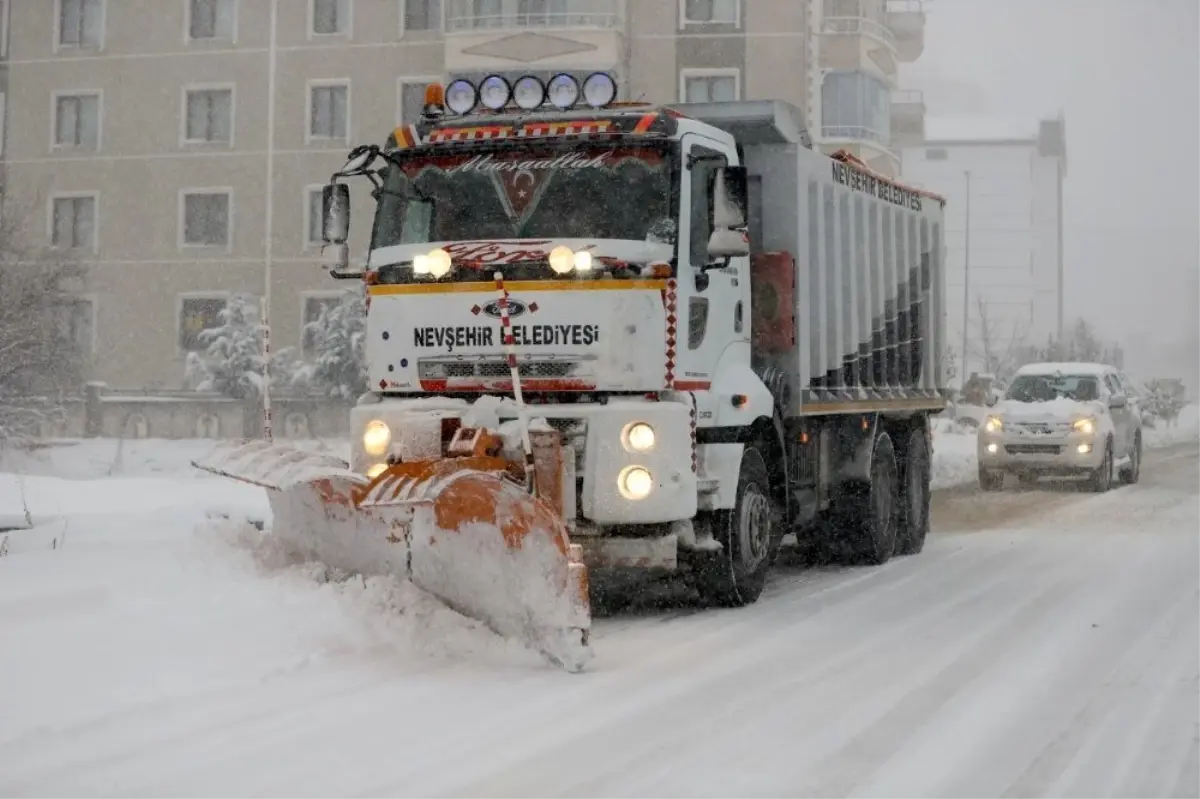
(718,313)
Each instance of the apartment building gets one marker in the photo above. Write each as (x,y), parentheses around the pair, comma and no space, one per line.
(1003,180)
(140,133)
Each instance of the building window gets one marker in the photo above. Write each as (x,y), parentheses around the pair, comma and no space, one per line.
(80,23)
(211,19)
(73,223)
(422,15)
(76,319)
(206,219)
(77,121)
(330,16)
(209,116)
(723,12)
(313,208)
(328,111)
(410,101)
(855,105)
(314,307)
(4,8)
(197,314)
(713,87)
(937,154)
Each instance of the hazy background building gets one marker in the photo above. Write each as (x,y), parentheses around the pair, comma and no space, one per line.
(136,133)
(1008,175)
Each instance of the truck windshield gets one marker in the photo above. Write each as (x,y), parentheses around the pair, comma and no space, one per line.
(539,191)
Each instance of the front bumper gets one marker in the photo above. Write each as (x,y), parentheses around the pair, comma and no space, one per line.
(1063,454)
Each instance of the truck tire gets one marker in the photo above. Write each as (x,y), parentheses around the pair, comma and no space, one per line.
(749,534)
(915,475)
(879,517)
(1132,473)
(1101,478)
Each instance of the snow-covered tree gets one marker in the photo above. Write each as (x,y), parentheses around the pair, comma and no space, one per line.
(339,336)
(231,362)
(40,360)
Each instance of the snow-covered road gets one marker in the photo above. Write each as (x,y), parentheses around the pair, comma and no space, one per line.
(1047,642)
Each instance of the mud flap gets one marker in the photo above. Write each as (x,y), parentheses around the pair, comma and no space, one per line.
(459,528)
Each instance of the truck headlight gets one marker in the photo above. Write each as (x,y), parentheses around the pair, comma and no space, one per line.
(635,482)
(993,425)
(1086,426)
(376,470)
(639,437)
(376,437)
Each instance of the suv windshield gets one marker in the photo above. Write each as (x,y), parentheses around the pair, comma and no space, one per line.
(1044,388)
(541,191)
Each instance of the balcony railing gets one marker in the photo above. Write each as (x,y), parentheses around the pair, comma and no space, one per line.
(462,17)
(856,133)
(908,97)
(859,26)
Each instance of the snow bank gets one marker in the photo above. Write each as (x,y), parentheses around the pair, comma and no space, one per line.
(954,460)
(1186,428)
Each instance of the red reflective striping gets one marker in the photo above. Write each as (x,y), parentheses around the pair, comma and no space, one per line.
(529,385)
(644,123)
(692,385)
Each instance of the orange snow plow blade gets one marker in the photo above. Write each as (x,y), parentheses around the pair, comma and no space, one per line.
(462,527)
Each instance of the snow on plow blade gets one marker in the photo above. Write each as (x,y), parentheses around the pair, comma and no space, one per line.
(460,527)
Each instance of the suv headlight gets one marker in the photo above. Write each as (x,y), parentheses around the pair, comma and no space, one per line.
(1087,426)
(993,425)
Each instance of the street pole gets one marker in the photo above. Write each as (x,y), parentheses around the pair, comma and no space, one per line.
(966,274)
(269,227)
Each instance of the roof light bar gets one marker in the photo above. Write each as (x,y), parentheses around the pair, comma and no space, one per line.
(529,93)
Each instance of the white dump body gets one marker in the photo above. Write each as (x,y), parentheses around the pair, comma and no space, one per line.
(868,287)
(869,279)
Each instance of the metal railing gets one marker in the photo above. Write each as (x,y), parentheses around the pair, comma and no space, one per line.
(905,6)
(859,26)
(908,97)
(856,133)
(461,18)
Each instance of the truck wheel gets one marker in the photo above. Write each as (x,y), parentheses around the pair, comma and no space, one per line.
(914,509)
(1131,473)
(880,517)
(990,481)
(749,535)
(1101,478)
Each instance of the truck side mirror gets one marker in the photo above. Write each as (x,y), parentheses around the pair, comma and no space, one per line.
(729,203)
(729,198)
(335,213)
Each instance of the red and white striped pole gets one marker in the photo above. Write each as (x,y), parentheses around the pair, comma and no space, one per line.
(510,351)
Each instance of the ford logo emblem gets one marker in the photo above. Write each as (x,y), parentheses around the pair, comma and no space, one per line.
(515,308)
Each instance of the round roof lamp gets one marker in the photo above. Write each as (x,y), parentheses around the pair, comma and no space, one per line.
(529,93)
(461,96)
(563,91)
(599,89)
(494,92)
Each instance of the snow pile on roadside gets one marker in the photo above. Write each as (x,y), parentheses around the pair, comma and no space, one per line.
(1186,428)
(954,458)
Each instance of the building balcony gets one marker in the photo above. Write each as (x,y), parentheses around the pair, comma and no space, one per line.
(858,42)
(906,19)
(907,118)
(531,35)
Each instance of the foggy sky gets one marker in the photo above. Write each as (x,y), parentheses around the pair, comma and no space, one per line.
(1126,74)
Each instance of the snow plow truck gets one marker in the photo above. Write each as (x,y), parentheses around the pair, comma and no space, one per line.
(619,336)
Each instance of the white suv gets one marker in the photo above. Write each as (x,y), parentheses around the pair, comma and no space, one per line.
(1064,420)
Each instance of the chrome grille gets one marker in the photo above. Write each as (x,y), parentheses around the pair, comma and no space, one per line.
(494,369)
